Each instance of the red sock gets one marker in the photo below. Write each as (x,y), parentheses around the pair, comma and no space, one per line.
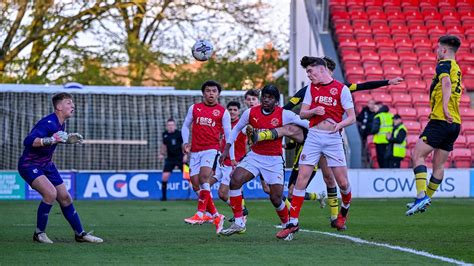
(346,199)
(236,205)
(296,204)
(211,208)
(203,199)
(283,214)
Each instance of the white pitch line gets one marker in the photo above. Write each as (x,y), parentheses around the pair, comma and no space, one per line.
(408,250)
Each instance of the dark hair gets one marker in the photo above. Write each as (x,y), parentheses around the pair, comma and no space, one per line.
(379,103)
(170,120)
(233,103)
(330,63)
(451,41)
(307,61)
(59,97)
(252,92)
(211,83)
(397,116)
(272,90)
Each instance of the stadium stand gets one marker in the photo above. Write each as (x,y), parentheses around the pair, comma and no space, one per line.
(383,39)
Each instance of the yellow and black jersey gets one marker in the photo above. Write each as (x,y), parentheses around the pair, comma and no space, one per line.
(446,68)
(353,87)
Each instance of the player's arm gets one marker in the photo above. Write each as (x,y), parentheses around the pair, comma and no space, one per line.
(305,112)
(186,128)
(370,85)
(39,137)
(348,106)
(296,99)
(234,133)
(291,118)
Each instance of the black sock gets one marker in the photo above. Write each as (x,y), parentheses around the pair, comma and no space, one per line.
(164,186)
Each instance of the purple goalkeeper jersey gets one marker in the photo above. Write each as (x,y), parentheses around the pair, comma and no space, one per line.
(40,156)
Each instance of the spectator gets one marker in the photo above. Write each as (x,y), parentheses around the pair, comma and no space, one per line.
(397,143)
(365,119)
(171,147)
(382,124)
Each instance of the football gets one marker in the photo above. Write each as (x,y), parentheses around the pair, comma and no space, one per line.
(202,50)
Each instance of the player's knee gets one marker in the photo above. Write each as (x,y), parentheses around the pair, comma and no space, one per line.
(64,200)
(50,196)
(276,200)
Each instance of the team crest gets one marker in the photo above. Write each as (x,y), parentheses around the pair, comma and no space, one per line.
(275,122)
(333,91)
(216,112)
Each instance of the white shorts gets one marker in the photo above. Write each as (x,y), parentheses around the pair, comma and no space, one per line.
(269,167)
(223,174)
(321,142)
(200,159)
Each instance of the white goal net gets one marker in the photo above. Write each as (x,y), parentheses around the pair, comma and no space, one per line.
(123,126)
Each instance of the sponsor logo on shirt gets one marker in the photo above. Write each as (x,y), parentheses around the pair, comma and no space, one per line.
(325,100)
(205,121)
(275,122)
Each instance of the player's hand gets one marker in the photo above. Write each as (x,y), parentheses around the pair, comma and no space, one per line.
(224,155)
(161,157)
(319,110)
(388,135)
(74,138)
(448,116)
(395,81)
(234,163)
(185,158)
(186,148)
(60,137)
(337,128)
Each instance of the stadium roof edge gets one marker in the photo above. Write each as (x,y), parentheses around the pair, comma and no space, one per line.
(36,88)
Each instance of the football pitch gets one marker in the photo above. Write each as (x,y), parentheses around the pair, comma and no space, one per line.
(153,232)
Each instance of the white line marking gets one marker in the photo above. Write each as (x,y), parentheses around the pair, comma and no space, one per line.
(408,250)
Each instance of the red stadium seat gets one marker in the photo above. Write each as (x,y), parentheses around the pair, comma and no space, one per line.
(465,101)
(382,97)
(411,72)
(366,43)
(408,57)
(423,113)
(467,127)
(413,127)
(392,71)
(467,114)
(389,57)
(407,113)
(402,100)
(468,82)
(420,100)
(416,85)
(462,158)
(361,98)
(470,142)
(460,142)
(412,139)
(402,87)
(369,56)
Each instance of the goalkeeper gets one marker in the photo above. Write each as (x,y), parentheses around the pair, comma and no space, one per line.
(38,170)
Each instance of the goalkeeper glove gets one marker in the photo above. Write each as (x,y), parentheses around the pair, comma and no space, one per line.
(74,138)
(58,137)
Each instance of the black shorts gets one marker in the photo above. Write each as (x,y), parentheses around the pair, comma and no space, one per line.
(440,134)
(170,164)
(294,176)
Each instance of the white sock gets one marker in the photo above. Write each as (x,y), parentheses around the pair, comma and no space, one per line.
(200,214)
(239,221)
(294,221)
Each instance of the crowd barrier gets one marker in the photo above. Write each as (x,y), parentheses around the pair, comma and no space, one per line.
(136,185)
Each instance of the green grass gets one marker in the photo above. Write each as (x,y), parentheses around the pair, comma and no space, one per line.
(149,232)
